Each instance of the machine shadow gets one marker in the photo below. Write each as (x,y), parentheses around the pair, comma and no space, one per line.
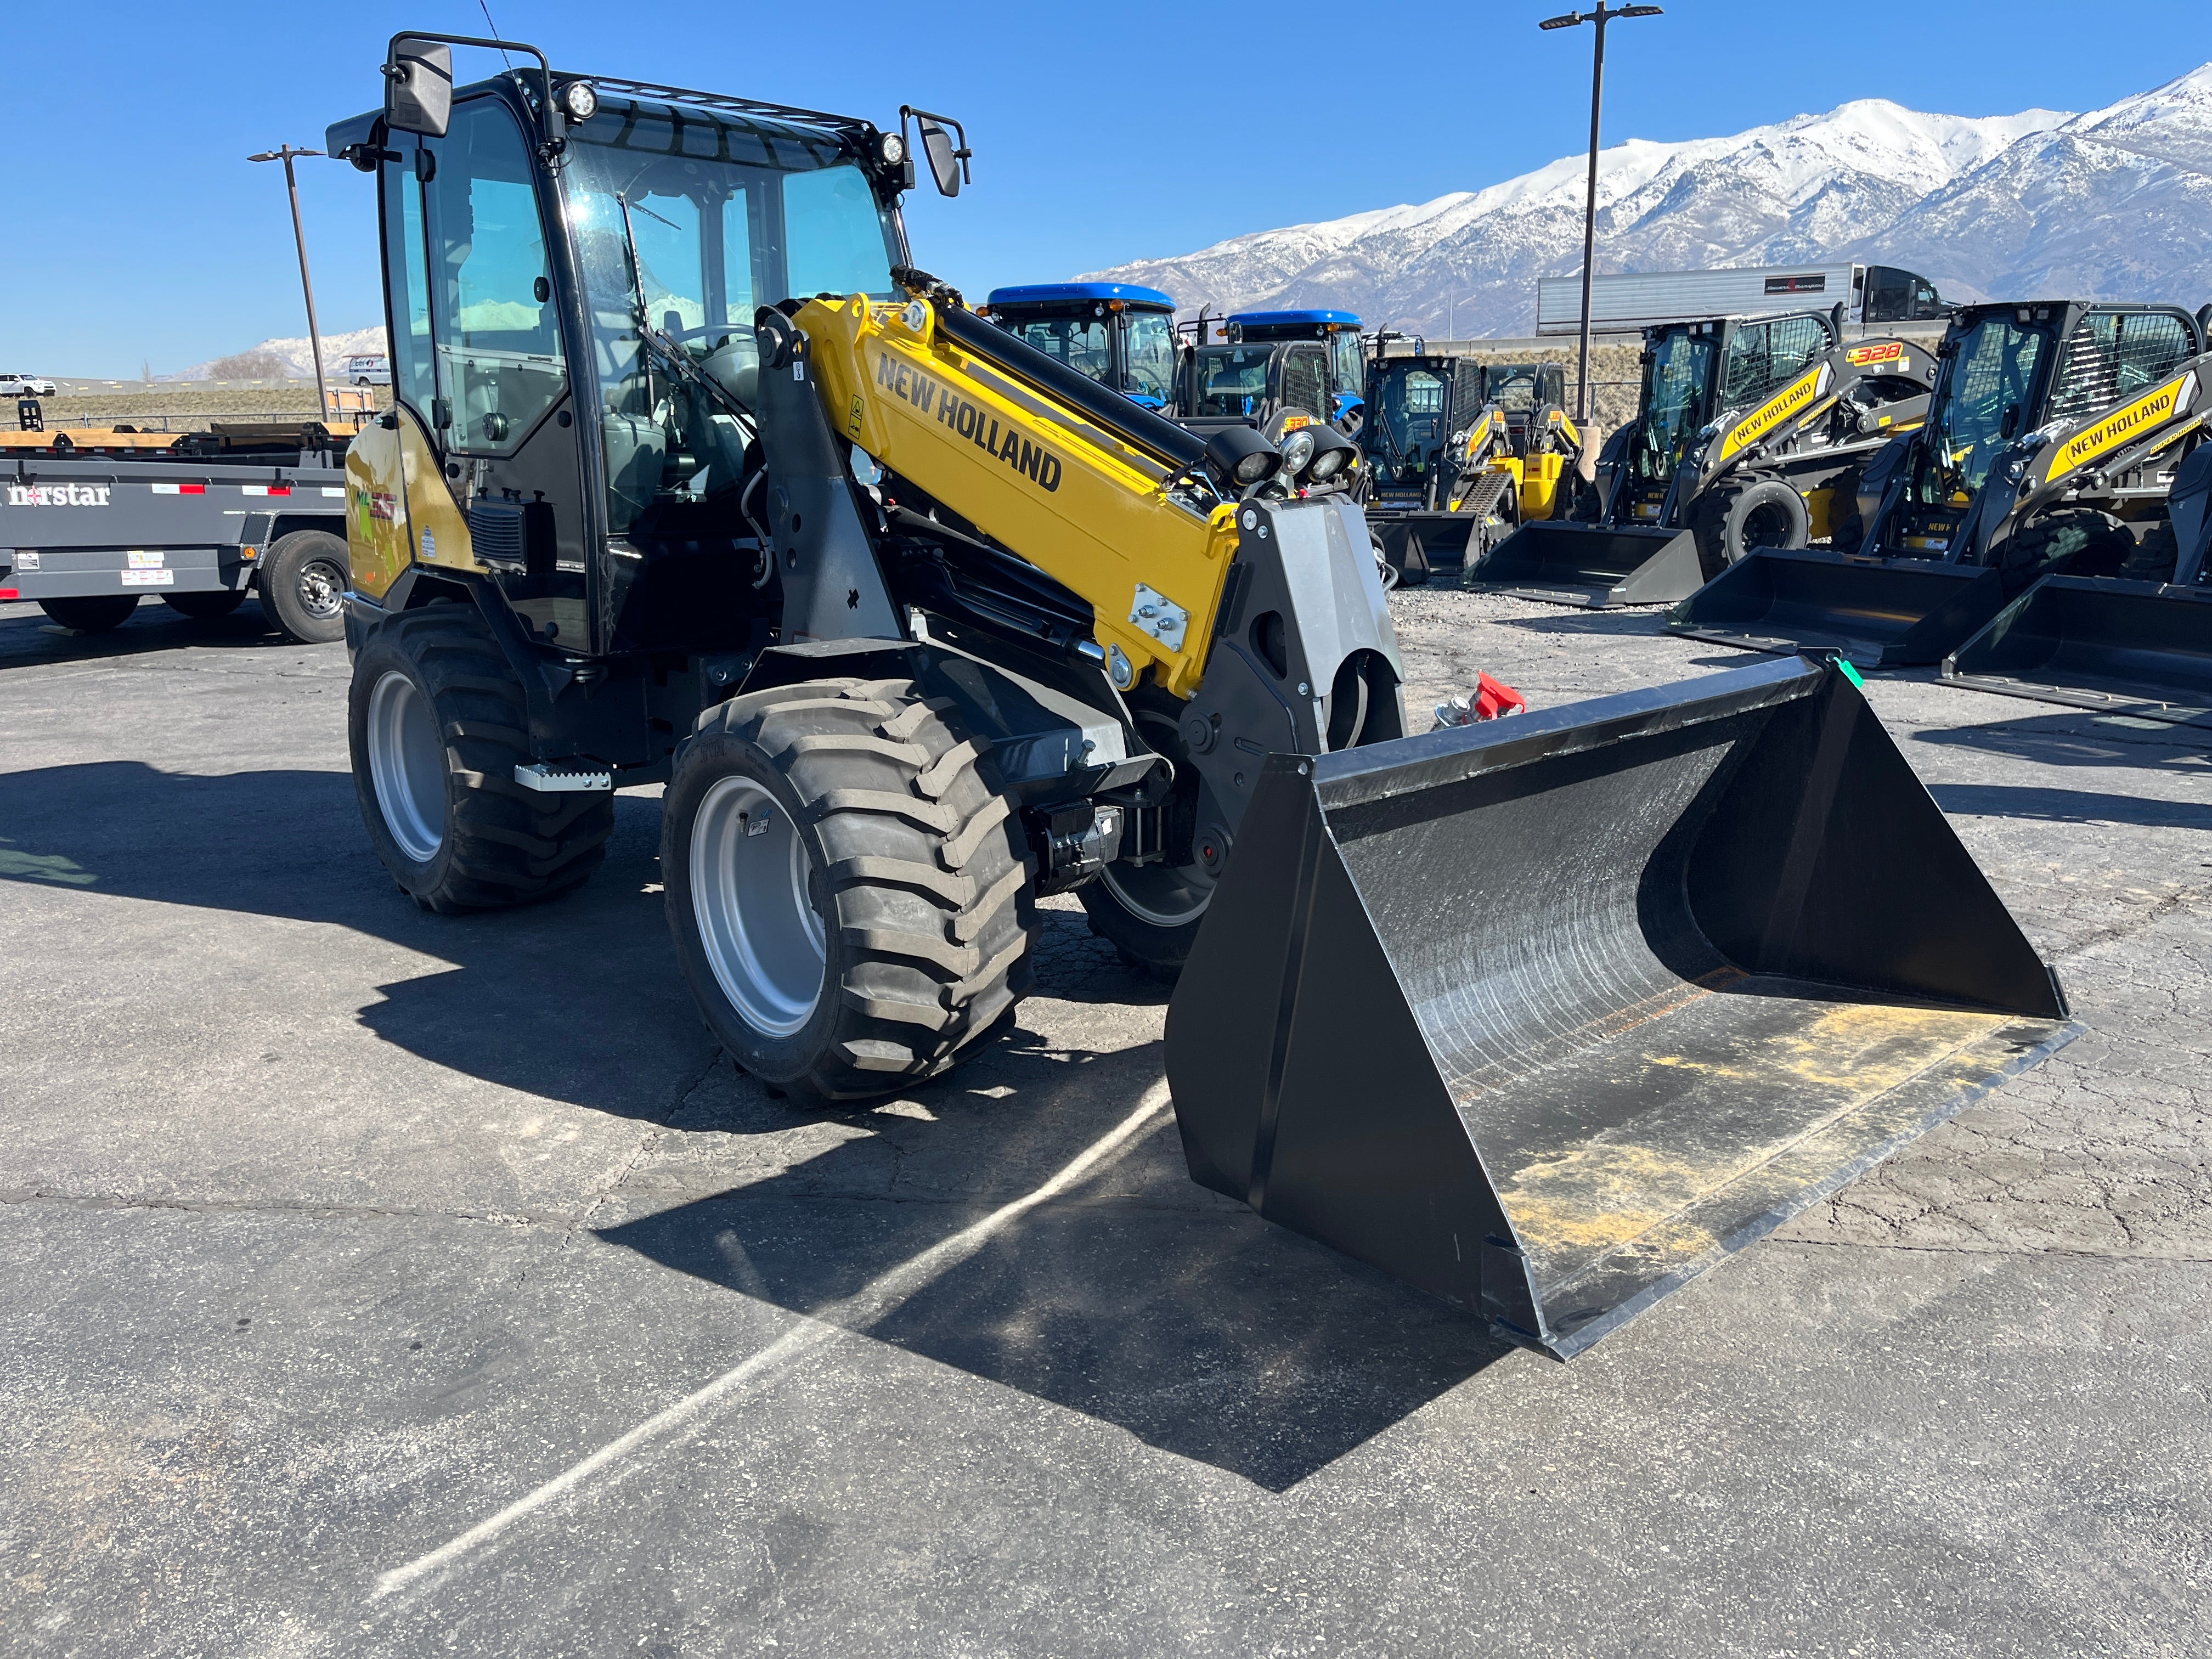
(577,999)
(2081,738)
(1135,1299)
(1619,624)
(29,639)
(1996,800)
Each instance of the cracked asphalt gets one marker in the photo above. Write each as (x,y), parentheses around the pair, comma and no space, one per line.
(380,1283)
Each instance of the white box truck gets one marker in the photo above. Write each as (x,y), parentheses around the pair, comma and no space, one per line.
(1626,301)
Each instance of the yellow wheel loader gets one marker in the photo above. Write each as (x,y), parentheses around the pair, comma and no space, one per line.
(1748,432)
(2055,438)
(693,478)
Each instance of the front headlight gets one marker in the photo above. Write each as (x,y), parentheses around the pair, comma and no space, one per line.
(1297,450)
(1335,455)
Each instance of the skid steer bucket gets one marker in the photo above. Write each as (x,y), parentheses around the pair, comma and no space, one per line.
(1547,1015)
(1564,563)
(2124,647)
(1419,544)
(1891,613)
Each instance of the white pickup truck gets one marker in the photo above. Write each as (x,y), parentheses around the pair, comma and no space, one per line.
(27,385)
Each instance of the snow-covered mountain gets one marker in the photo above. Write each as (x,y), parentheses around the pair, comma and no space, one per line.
(2111,202)
(293,352)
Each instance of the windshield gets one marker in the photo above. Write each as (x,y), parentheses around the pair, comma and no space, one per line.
(1681,368)
(727,217)
(1233,380)
(1151,356)
(1987,394)
(1412,405)
(1514,390)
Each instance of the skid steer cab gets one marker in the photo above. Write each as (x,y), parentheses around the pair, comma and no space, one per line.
(1120,335)
(693,478)
(2039,535)
(1749,432)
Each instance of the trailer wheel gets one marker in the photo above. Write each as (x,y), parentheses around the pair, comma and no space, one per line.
(302,580)
(91,613)
(207,605)
(437,722)
(850,900)
(1765,513)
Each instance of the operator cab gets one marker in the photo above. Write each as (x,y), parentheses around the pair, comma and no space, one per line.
(1415,403)
(1116,333)
(1343,400)
(573,347)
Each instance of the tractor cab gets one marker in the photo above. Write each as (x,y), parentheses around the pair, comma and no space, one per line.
(1279,370)
(1115,333)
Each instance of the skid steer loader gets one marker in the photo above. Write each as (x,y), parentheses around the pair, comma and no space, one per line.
(1748,432)
(1418,405)
(2141,647)
(694,479)
(2050,447)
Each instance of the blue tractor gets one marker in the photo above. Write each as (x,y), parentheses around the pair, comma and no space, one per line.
(1276,368)
(1121,335)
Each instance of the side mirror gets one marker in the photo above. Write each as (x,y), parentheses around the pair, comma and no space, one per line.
(948,151)
(418,89)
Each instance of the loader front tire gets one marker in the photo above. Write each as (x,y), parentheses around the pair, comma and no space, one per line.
(1765,513)
(1151,913)
(437,724)
(850,898)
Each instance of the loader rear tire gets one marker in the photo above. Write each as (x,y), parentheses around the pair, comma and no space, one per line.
(2079,543)
(437,724)
(1151,913)
(851,901)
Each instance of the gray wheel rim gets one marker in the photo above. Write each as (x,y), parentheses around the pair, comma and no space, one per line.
(407,765)
(752,897)
(321,589)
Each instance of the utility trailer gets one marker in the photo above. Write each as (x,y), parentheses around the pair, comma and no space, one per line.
(91,523)
(1627,301)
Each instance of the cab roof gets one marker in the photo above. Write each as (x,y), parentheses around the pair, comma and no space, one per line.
(1293,319)
(1050,294)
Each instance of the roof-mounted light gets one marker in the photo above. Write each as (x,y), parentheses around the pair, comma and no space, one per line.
(580,100)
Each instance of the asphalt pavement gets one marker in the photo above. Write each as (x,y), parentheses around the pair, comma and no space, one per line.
(376,1283)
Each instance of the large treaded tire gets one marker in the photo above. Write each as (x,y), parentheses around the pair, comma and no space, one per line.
(1764,513)
(499,844)
(2070,542)
(921,895)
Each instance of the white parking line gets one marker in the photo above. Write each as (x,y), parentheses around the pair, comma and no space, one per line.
(879,1298)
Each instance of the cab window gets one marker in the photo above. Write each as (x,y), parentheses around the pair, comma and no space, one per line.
(499,364)
(1305,381)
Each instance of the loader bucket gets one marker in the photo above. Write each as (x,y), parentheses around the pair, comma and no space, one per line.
(1890,613)
(1547,1015)
(1419,544)
(2123,647)
(1566,563)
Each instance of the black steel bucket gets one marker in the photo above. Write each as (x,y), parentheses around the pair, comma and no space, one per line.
(1566,564)
(1545,1016)
(2125,647)
(1890,613)
(1417,545)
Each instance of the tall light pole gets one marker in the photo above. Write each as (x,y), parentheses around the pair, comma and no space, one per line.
(1602,16)
(285,153)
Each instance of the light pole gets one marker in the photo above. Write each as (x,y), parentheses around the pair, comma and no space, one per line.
(1602,16)
(285,153)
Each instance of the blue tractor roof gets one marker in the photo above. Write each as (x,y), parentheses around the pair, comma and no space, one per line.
(1302,323)
(1055,293)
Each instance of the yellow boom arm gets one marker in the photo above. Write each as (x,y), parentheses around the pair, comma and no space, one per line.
(1037,476)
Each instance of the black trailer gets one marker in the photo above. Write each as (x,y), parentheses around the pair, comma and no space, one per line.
(199,526)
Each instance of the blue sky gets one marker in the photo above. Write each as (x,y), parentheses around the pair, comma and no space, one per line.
(141,233)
